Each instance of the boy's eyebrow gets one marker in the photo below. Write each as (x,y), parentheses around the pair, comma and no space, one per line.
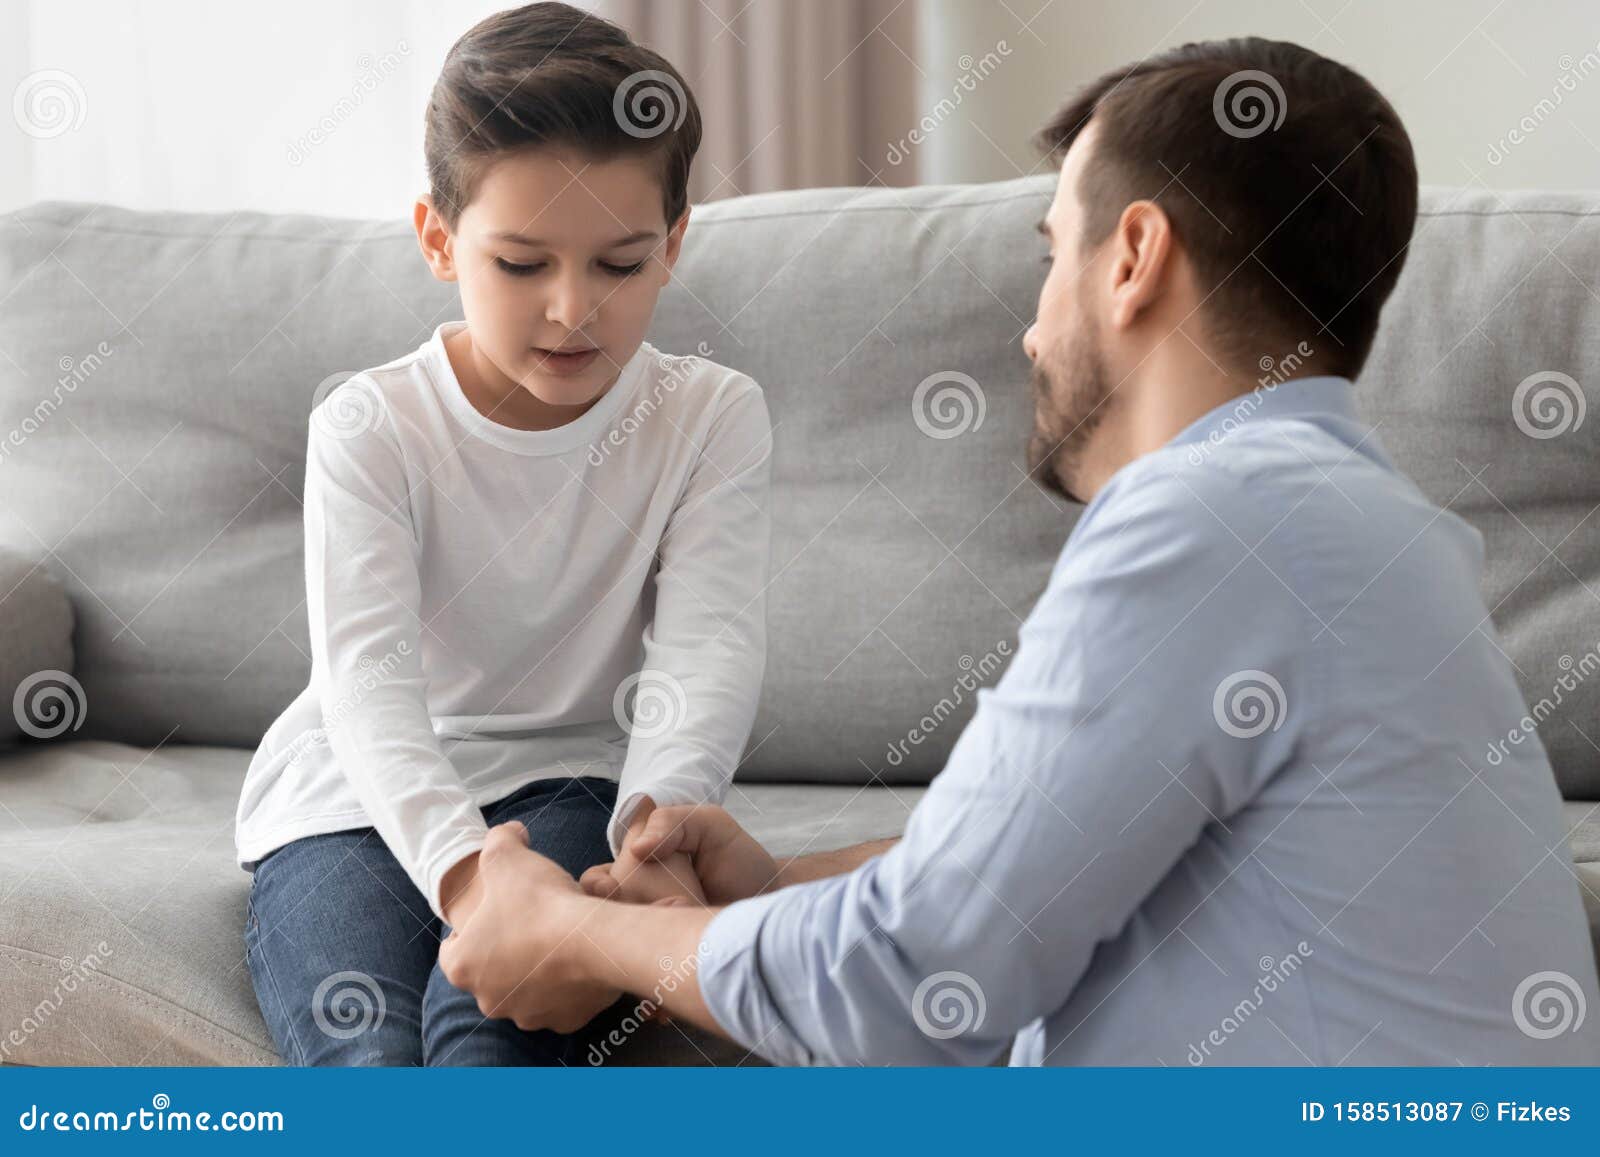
(647,235)
(1043,227)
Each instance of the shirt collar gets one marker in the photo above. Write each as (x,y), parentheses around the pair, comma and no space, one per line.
(1324,394)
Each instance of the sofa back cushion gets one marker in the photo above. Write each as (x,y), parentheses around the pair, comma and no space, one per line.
(1486,362)
(160,369)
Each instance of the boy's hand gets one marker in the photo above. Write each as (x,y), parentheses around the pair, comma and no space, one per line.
(635,880)
(728,862)
(647,881)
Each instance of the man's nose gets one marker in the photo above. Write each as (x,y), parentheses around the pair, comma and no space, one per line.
(1030,342)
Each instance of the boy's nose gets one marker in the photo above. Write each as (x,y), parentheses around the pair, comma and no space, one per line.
(570,305)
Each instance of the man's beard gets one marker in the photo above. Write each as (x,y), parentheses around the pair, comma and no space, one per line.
(1070,402)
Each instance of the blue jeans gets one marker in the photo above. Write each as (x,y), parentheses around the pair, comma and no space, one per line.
(344,950)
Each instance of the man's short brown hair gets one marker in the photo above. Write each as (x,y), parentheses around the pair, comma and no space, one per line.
(1289,181)
(552,75)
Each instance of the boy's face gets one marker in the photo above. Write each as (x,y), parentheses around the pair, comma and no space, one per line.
(558,252)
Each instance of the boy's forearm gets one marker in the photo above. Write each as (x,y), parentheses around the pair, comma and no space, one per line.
(820,865)
(460,890)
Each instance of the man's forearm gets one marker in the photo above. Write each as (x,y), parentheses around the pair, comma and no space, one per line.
(651,951)
(820,865)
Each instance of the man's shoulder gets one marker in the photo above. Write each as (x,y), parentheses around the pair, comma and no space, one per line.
(1251,497)
(1270,474)
(1305,505)
(1164,488)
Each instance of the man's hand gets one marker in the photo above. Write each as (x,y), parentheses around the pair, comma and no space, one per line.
(635,880)
(728,862)
(518,950)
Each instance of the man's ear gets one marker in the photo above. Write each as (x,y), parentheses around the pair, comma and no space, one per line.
(433,237)
(673,245)
(1142,258)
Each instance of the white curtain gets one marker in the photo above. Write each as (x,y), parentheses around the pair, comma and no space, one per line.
(792,93)
(316,105)
(313,107)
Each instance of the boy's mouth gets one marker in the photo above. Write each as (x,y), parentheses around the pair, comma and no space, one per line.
(569,360)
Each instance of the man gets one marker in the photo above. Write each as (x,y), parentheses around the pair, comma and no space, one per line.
(1228,803)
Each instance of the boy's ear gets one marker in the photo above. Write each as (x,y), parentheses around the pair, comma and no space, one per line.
(433,237)
(669,254)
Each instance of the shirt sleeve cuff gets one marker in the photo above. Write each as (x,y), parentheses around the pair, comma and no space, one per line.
(618,827)
(665,794)
(733,984)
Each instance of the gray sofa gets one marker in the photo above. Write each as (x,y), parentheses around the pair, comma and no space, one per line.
(156,375)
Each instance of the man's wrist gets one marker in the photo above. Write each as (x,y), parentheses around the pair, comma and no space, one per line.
(651,951)
(821,865)
(583,952)
(784,877)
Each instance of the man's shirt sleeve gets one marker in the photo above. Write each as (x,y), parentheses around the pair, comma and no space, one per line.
(1156,687)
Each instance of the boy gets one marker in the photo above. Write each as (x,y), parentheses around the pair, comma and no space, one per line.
(497,562)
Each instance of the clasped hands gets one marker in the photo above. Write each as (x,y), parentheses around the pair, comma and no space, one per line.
(544,950)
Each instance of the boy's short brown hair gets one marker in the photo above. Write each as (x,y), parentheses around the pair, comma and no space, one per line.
(550,74)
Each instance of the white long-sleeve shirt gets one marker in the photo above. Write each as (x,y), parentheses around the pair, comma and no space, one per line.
(491,606)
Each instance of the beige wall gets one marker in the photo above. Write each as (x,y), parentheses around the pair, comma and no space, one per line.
(1464,74)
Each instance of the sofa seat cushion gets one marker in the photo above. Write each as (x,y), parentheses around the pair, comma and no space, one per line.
(122,909)
(1583,842)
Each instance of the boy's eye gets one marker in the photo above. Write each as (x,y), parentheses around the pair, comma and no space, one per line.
(514,269)
(615,270)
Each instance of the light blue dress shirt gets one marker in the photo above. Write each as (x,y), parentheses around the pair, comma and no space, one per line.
(1236,800)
